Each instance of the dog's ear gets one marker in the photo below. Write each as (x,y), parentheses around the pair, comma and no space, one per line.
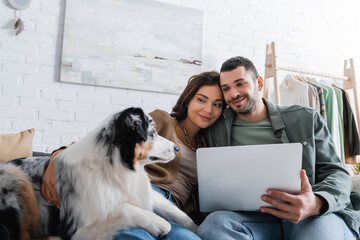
(127,129)
(140,127)
(138,122)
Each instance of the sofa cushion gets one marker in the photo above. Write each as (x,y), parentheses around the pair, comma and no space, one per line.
(16,145)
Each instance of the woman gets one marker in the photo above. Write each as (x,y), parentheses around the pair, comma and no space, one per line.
(199,106)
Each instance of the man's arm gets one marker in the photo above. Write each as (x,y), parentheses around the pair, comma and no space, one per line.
(332,181)
(330,189)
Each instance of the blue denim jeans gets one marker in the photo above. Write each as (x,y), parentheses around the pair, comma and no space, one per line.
(227,225)
(177,231)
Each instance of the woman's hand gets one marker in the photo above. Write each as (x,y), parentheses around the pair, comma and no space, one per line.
(48,182)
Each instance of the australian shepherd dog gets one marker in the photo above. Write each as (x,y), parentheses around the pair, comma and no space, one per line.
(101,182)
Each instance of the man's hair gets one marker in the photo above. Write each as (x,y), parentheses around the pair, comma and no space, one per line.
(238,61)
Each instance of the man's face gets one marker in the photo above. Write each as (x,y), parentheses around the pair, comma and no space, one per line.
(239,89)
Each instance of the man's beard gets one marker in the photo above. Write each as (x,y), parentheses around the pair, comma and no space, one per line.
(251,103)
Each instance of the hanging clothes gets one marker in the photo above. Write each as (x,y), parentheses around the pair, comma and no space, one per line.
(351,136)
(314,101)
(338,95)
(321,96)
(293,92)
(332,116)
(329,102)
(313,98)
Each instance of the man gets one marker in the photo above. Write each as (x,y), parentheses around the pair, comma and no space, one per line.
(325,206)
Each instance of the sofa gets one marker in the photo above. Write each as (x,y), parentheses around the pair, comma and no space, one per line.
(19,145)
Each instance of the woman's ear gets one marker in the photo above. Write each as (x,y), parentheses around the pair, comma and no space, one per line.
(260,83)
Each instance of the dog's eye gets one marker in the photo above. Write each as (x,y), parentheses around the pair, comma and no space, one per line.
(152,134)
(4,191)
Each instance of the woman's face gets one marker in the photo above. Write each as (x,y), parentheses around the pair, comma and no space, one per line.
(206,106)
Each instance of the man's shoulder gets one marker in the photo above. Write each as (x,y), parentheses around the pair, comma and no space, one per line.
(288,109)
(295,109)
(297,115)
(216,134)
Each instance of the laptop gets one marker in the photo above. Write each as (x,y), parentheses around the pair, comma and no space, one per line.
(234,178)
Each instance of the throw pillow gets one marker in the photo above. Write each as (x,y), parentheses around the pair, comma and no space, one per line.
(16,145)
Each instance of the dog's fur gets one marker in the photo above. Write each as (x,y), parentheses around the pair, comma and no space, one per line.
(102,184)
(18,204)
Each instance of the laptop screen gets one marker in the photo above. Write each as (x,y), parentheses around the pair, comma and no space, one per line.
(235,178)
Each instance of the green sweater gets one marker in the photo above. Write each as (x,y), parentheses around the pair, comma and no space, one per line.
(298,124)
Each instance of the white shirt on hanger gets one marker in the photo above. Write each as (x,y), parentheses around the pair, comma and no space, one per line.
(293,92)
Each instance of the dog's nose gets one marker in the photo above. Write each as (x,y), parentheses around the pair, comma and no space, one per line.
(176,149)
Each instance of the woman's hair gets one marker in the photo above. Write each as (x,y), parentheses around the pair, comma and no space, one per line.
(195,82)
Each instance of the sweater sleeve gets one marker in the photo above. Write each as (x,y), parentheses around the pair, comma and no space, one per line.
(165,126)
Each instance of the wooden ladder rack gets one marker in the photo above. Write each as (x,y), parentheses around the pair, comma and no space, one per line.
(271,69)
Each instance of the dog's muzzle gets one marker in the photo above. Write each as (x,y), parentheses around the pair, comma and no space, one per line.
(176,150)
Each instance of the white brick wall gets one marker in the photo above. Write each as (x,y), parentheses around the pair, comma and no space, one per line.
(317,35)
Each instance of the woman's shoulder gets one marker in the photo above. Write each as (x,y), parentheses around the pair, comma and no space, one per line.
(159,113)
(165,124)
(162,117)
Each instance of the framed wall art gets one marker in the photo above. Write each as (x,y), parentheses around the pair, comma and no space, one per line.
(133,44)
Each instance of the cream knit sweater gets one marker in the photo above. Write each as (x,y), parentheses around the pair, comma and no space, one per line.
(165,126)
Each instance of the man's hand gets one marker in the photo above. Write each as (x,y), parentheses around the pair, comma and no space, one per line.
(48,183)
(295,207)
